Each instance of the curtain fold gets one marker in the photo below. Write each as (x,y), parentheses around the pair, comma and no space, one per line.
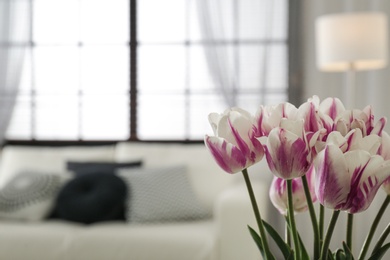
(14,38)
(213,26)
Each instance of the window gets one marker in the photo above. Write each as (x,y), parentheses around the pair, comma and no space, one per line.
(76,80)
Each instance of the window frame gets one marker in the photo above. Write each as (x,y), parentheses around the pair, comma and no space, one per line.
(294,81)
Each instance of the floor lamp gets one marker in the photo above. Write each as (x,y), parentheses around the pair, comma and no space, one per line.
(349,42)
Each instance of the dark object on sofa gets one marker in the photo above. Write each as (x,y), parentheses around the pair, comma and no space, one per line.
(92,167)
(92,197)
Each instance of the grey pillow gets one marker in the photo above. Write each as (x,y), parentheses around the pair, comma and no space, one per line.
(29,195)
(161,195)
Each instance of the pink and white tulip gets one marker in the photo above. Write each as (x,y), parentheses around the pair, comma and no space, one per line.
(269,117)
(349,181)
(279,196)
(361,119)
(234,146)
(288,150)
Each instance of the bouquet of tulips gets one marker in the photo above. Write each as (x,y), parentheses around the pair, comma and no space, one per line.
(319,151)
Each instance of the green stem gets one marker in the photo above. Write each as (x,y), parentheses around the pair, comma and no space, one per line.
(382,238)
(292,221)
(322,220)
(263,236)
(313,217)
(374,225)
(349,231)
(328,236)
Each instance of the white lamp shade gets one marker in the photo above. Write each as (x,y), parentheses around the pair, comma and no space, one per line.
(351,39)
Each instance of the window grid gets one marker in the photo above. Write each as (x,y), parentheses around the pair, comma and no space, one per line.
(189,93)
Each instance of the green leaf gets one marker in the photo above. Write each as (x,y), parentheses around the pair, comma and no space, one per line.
(284,248)
(304,255)
(291,256)
(330,255)
(257,240)
(378,254)
(339,255)
(347,251)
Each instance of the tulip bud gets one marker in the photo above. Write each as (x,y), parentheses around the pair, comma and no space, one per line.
(279,197)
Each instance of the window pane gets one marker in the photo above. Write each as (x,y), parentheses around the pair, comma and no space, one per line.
(250,102)
(56,117)
(56,21)
(269,16)
(276,98)
(280,16)
(56,69)
(105,21)
(194,33)
(161,68)
(105,69)
(200,107)
(161,117)
(200,76)
(161,21)
(26,76)
(250,13)
(20,124)
(277,67)
(252,65)
(105,117)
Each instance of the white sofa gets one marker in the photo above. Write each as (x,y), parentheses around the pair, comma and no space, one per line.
(224,236)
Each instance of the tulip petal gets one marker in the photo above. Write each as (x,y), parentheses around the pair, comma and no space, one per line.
(332,107)
(286,154)
(379,126)
(384,149)
(364,186)
(293,126)
(278,195)
(332,179)
(227,156)
(240,128)
(308,112)
(214,119)
(358,162)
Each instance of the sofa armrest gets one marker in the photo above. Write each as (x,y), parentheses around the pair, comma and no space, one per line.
(233,212)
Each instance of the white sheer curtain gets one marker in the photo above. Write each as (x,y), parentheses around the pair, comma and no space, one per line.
(14,37)
(228,25)
(372,88)
(216,22)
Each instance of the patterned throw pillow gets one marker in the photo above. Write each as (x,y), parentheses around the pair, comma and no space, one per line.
(161,195)
(29,196)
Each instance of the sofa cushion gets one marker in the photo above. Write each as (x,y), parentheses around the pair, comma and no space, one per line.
(95,166)
(92,197)
(160,195)
(168,241)
(29,195)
